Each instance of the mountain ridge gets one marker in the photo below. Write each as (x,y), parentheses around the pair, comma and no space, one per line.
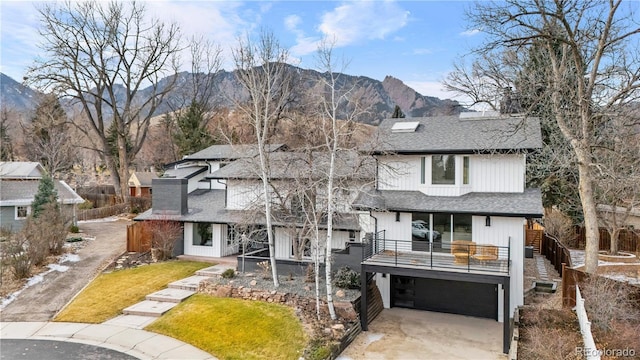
(381,96)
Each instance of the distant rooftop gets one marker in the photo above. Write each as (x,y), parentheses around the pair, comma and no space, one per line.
(21,170)
(230,152)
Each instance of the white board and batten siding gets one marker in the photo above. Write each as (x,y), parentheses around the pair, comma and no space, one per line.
(497,173)
(487,173)
(218,248)
(505,231)
(284,241)
(242,195)
(395,230)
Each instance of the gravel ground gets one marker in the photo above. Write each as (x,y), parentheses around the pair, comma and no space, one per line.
(531,274)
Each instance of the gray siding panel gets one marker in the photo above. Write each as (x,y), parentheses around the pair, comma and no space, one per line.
(8,219)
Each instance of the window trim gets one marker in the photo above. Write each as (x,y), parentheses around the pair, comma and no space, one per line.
(28,208)
(466,170)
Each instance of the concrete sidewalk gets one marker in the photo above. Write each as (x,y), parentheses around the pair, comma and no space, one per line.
(138,343)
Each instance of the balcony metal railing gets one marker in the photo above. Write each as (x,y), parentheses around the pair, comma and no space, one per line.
(459,255)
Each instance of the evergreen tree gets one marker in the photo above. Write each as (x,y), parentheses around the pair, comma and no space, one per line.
(46,194)
(191,132)
(397,113)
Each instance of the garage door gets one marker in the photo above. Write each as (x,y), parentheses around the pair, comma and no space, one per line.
(456,297)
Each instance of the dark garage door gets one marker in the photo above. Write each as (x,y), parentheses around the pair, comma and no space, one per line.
(456,297)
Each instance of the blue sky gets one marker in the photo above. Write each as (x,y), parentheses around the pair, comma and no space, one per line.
(414,41)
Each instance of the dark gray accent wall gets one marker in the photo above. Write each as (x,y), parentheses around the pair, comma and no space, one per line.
(169,196)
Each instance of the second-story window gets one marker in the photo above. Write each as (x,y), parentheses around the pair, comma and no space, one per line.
(443,170)
(423,168)
(465,170)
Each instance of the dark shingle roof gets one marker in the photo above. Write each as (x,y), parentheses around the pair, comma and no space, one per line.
(229,152)
(451,134)
(209,206)
(186,172)
(289,165)
(22,192)
(527,203)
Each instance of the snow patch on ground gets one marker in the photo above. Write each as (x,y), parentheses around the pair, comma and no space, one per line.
(68,258)
(58,268)
(36,279)
(577,260)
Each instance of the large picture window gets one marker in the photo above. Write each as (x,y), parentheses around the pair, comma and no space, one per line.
(203,234)
(443,170)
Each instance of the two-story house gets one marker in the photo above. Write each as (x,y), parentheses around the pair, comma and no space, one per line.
(223,211)
(448,210)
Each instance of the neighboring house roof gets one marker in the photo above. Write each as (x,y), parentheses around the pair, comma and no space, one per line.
(209,206)
(186,172)
(525,204)
(21,192)
(21,170)
(142,178)
(229,152)
(452,134)
(290,165)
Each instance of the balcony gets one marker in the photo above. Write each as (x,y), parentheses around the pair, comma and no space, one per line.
(459,256)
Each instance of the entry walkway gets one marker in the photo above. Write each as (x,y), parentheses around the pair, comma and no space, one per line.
(124,333)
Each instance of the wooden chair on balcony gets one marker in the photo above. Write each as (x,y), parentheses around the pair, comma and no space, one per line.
(486,253)
(462,250)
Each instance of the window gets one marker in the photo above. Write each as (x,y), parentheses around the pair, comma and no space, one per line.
(203,234)
(422,169)
(353,235)
(465,170)
(443,170)
(22,212)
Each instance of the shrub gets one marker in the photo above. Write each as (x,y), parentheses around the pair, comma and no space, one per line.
(74,229)
(86,205)
(559,226)
(74,239)
(164,234)
(229,273)
(346,278)
(17,256)
(265,269)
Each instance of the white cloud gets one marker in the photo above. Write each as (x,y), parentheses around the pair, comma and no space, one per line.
(471,32)
(353,22)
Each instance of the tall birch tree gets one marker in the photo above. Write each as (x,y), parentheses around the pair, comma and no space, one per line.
(266,78)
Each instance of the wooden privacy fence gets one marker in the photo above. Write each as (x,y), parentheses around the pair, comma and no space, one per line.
(99,213)
(533,237)
(628,240)
(138,237)
(557,253)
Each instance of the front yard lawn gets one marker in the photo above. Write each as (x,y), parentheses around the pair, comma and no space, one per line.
(109,293)
(235,329)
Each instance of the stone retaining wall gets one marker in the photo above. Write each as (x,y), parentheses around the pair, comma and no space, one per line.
(340,332)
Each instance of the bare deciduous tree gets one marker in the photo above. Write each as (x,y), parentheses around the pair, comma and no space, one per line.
(262,71)
(591,72)
(103,55)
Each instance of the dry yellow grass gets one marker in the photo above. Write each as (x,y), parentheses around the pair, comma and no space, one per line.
(109,293)
(235,329)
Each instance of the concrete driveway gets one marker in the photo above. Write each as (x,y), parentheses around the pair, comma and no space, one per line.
(412,334)
(43,300)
